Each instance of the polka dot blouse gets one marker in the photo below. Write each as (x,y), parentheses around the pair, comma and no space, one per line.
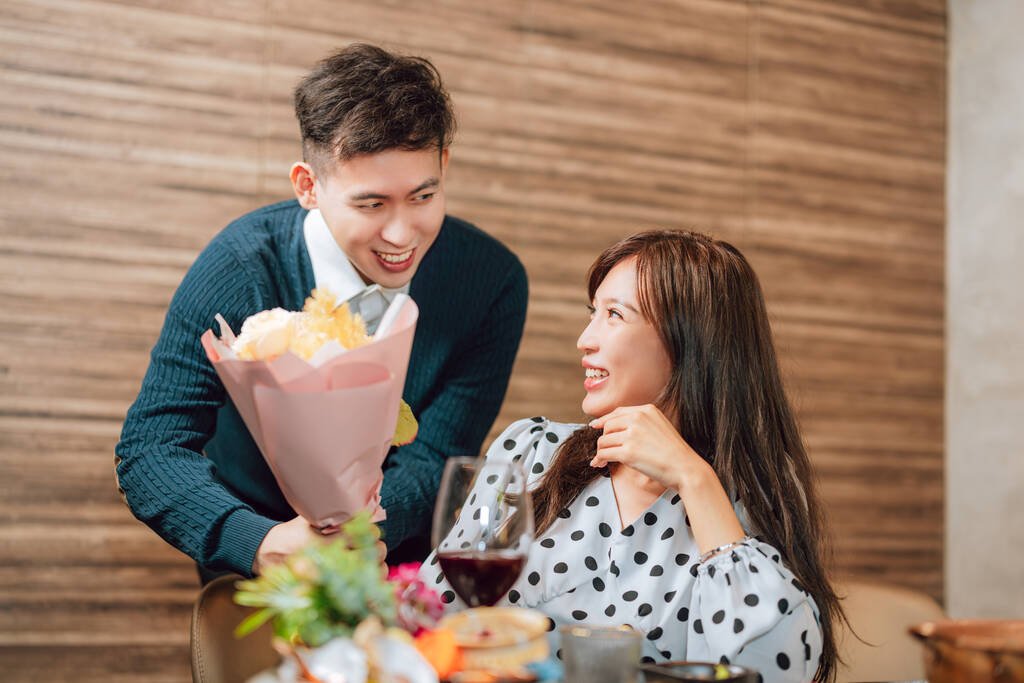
(742,606)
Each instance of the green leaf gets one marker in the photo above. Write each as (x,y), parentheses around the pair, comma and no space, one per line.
(253,622)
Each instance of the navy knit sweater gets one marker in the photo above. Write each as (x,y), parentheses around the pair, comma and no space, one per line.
(472,294)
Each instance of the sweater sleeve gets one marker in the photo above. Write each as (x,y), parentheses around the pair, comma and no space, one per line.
(162,473)
(748,609)
(457,418)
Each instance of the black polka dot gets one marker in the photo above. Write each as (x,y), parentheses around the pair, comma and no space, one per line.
(590,562)
(598,584)
(509,444)
(551,624)
(682,559)
(718,616)
(753,568)
(675,499)
(654,633)
(647,659)
(657,570)
(535,429)
(537,419)
(433,560)
(775,558)
(533,578)
(797,585)
(650,519)
(639,557)
(666,654)
(472,499)
(439,579)
(751,600)
(576,535)
(552,437)
(592,501)
(609,611)
(537,468)
(547,543)
(579,615)
(669,596)
(782,660)
(803,637)
(783,605)
(687,520)
(683,614)
(734,557)
(464,545)
(807,652)
(628,531)
(513,595)
(517,457)
(493,478)
(711,571)
(476,513)
(644,610)
(614,568)
(693,570)
(604,529)
(630,596)
(558,653)
(667,533)
(561,568)
(737,626)
(564,513)
(723,660)
(698,627)
(447,596)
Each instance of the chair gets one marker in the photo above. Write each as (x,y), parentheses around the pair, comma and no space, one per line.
(217,655)
(880,614)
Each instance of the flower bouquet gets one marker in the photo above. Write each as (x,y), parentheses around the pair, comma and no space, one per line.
(322,399)
(335,617)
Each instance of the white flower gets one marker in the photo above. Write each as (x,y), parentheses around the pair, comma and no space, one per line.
(265,335)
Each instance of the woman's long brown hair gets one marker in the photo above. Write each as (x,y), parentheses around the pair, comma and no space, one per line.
(706,303)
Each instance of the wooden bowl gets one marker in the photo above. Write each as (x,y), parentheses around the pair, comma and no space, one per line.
(972,650)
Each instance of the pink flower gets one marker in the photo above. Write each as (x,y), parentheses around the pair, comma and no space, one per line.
(419,607)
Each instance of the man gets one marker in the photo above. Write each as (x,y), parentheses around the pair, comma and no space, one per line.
(376,130)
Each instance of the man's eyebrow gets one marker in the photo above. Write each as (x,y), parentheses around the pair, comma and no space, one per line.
(425,185)
(363,196)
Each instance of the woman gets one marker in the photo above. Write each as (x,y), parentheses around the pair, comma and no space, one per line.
(686,508)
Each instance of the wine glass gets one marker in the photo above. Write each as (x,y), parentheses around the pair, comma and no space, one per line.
(483,527)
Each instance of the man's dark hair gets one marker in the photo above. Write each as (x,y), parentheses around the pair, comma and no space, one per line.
(364,99)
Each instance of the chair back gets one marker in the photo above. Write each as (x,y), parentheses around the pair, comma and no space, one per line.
(217,655)
(881,614)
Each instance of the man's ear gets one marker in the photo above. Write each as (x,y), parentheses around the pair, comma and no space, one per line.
(304,183)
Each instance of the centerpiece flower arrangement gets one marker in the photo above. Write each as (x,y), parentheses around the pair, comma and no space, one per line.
(321,398)
(336,616)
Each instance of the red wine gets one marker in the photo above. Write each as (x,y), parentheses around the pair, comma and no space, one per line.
(481,578)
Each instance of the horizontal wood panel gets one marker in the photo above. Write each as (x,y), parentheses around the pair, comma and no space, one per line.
(810,133)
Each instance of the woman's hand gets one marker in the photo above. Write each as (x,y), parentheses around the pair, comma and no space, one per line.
(642,437)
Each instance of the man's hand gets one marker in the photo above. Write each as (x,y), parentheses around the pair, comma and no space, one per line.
(282,540)
(287,537)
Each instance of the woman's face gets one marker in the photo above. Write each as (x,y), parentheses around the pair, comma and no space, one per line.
(623,357)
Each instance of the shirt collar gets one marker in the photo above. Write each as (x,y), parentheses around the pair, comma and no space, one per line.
(332,269)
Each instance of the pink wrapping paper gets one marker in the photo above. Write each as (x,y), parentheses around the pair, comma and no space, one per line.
(324,427)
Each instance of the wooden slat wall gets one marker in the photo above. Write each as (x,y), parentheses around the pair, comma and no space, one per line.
(808,132)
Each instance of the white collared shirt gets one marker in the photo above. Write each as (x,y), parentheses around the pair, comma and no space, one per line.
(332,269)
